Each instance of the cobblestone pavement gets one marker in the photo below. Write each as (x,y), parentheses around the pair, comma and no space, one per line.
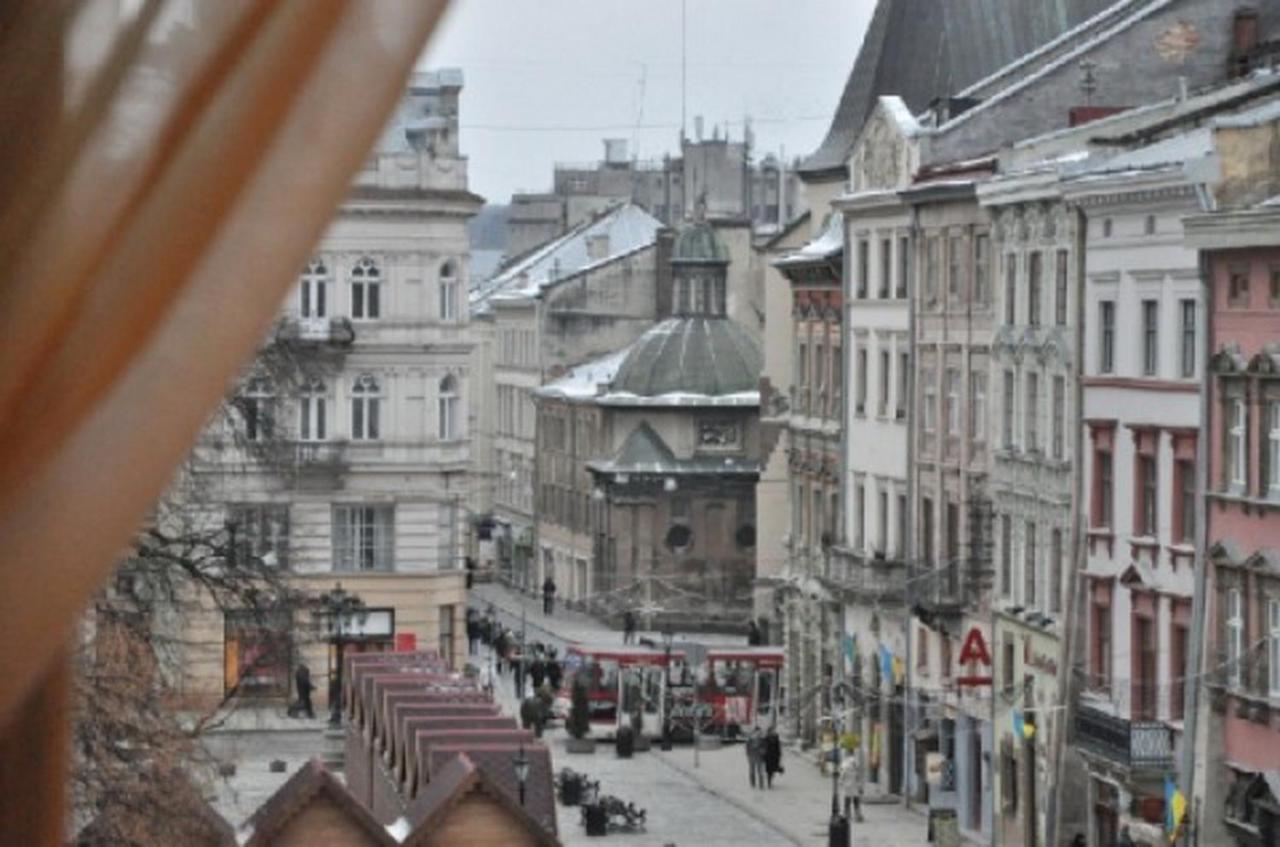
(704,802)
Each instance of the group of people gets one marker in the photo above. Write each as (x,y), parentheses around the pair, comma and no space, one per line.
(536,663)
(764,757)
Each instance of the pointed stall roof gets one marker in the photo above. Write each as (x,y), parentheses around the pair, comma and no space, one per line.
(463,776)
(312,783)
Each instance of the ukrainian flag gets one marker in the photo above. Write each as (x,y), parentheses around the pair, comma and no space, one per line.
(1175,808)
(1021,728)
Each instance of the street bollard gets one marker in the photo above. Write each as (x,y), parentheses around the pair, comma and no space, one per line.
(838,831)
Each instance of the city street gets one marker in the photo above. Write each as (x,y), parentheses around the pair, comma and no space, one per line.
(702,800)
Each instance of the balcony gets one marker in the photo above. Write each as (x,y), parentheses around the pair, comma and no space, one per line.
(871,577)
(319,465)
(1134,745)
(335,331)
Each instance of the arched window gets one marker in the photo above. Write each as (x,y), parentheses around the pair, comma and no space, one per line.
(448,408)
(311,291)
(449,291)
(311,411)
(366,402)
(257,406)
(366,287)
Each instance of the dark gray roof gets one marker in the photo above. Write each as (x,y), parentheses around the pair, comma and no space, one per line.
(921,50)
(707,357)
(698,242)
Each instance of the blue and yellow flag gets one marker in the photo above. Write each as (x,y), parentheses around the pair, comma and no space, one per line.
(1021,728)
(886,664)
(1175,808)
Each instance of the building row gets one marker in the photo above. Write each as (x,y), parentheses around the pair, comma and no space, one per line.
(1016,524)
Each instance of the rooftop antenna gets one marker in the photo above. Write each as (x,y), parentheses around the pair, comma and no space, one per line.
(683,76)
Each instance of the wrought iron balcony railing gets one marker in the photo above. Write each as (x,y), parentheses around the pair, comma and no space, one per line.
(1136,745)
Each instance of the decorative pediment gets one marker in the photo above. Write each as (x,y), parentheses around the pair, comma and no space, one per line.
(1228,360)
(1225,552)
(1138,577)
(1266,561)
(881,158)
(1267,362)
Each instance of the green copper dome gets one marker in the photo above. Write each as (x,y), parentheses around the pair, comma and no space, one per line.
(710,357)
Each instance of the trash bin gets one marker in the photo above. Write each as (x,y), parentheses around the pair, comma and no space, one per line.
(944,827)
(571,790)
(625,743)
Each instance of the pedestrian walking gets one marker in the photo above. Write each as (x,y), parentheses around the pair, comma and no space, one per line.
(755,758)
(628,627)
(471,572)
(548,596)
(772,755)
(554,671)
(500,648)
(486,679)
(537,672)
(473,631)
(302,682)
(853,780)
(753,634)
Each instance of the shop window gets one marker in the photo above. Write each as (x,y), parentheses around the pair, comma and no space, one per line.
(257,653)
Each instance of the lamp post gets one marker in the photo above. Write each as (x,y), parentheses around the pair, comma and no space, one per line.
(338,607)
(521,763)
(667,638)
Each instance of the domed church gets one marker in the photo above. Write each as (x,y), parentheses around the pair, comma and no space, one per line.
(672,518)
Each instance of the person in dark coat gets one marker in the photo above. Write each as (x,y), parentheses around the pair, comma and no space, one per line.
(772,755)
(753,634)
(628,627)
(471,572)
(473,630)
(548,596)
(302,681)
(537,672)
(500,648)
(553,671)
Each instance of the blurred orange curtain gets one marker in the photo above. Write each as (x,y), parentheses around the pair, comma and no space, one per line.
(167,165)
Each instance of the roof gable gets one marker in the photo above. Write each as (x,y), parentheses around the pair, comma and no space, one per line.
(459,778)
(310,787)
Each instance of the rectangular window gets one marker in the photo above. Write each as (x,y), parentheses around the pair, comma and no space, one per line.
(259,533)
(1029,564)
(311,413)
(1006,556)
(1234,636)
(258,652)
(904,266)
(1238,287)
(1011,288)
(861,401)
(882,402)
(864,267)
(955,268)
(1188,351)
(1031,431)
(802,379)
(931,269)
(1006,411)
(1105,482)
(1274,292)
(929,399)
(1147,496)
(953,401)
(1106,337)
(837,382)
(1033,288)
(1273,449)
(859,516)
(819,377)
(901,545)
(1186,505)
(1177,670)
(882,523)
(944,655)
(1054,576)
(1273,648)
(904,384)
(363,538)
(1058,425)
(1237,422)
(1101,644)
(886,267)
(922,654)
(1150,337)
(982,269)
(1145,648)
(448,300)
(978,407)
(366,300)
(926,531)
(1060,289)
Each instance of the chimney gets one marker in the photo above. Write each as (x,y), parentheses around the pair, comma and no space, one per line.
(615,151)
(697,128)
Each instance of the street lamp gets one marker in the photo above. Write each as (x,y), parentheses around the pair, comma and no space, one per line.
(667,638)
(338,607)
(521,763)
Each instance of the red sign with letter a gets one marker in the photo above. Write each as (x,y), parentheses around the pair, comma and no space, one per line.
(974,655)
(406,642)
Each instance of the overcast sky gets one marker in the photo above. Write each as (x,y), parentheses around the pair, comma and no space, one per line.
(547,80)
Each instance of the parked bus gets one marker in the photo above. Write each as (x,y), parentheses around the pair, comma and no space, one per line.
(740,688)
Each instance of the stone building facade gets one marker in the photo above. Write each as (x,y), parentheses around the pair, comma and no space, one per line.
(345,451)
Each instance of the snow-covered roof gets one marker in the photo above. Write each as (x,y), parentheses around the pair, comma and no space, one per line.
(828,243)
(584,381)
(1167,152)
(680,398)
(1257,116)
(627,227)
